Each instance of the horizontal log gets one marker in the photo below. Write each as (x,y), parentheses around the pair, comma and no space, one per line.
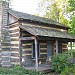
(27,38)
(26,49)
(14,25)
(27,41)
(5,46)
(43,43)
(14,60)
(43,55)
(14,39)
(14,44)
(5,43)
(43,46)
(64,46)
(64,50)
(43,51)
(15,30)
(6,49)
(14,35)
(15,54)
(26,52)
(14,49)
(27,46)
(16,63)
(13,57)
(29,56)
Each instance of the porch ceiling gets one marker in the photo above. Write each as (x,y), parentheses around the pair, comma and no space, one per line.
(38,31)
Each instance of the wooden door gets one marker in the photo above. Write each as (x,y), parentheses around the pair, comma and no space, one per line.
(49,49)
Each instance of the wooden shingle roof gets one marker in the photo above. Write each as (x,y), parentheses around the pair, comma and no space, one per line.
(38,31)
(21,15)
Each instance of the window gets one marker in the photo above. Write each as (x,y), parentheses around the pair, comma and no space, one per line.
(33,50)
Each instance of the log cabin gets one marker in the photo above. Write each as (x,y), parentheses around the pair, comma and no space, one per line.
(30,40)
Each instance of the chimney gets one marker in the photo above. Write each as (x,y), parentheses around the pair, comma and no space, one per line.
(5,52)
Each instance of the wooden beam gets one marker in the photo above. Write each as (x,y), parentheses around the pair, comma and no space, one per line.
(56,46)
(36,55)
(71,47)
(27,38)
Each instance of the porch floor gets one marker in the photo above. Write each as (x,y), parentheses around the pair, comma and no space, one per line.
(41,67)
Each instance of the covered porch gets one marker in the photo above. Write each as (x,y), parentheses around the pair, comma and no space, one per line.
(52,40)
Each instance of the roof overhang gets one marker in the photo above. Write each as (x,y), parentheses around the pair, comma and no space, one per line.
(35,19)
(41,23)
(46,32)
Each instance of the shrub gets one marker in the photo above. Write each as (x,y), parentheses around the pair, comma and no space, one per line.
(68,70)
(59,62)
(73,53)
(17,70)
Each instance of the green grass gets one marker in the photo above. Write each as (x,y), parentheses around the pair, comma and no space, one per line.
(17,70)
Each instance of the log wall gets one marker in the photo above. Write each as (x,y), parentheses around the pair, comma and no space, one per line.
(15,43)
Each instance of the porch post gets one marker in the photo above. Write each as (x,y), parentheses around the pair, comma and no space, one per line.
(56,46)
(36,55)
(71,48)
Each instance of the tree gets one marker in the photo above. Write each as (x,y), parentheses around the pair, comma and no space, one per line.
(9,1)
(72,19)
(55,10)
(5,0)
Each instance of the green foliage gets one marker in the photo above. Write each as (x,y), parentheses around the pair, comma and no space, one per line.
(55,10)
(72,16)
(59,62)
(72,24)
(17,70)
(68,70)
(72,4)
(73,52)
